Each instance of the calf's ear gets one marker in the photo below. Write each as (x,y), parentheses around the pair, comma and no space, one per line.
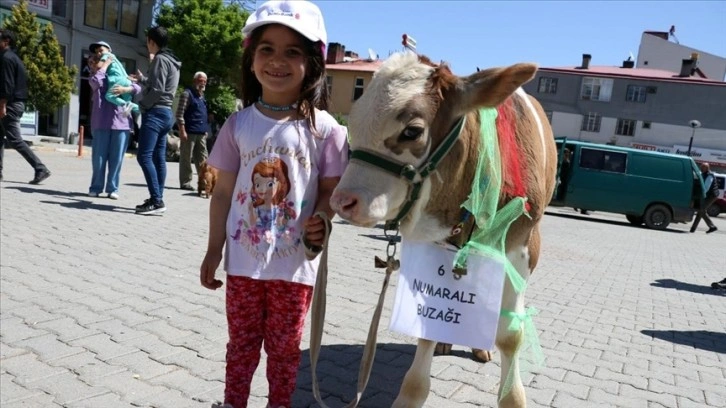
(490,87)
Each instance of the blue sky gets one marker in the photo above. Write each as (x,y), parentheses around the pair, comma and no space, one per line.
(468,34)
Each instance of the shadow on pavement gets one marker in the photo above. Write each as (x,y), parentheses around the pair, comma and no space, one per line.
(603,221)
(380,237)
(700,339)
(337,374)
(89,205)
(689,287)
(40,190)
(344,222)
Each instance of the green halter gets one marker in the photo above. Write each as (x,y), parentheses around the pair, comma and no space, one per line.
(414,176)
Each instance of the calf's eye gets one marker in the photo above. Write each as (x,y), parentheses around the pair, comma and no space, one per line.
(411,133)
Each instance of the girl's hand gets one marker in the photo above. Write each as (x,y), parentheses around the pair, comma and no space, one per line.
(314,231)
(119,90)
(105,64)
(208,269)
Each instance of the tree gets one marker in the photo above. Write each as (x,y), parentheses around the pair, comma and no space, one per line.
(50,81)
(206,35)
(221,101)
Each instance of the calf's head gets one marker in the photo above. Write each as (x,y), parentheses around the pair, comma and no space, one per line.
(404,114)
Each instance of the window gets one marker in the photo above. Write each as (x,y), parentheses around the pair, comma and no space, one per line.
(113,15)
(59,8)
(646,125)
(636,93)
(591,122)
(358,91)
(129,17)
(625,127)
(329,82)
(549,116)
(721,181)
(547,85)
(597,89)
(94,14)
(603,160)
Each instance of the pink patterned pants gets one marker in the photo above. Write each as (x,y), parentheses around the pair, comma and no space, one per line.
(269,311)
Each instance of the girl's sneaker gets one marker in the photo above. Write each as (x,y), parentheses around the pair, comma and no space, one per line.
(113,196)
(93,194)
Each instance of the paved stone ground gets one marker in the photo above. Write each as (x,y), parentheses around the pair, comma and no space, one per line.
(102,308)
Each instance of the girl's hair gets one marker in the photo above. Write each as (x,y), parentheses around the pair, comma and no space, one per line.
(272,167)
(314,90)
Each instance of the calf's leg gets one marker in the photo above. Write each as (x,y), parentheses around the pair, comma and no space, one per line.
(509,341)
(416,384)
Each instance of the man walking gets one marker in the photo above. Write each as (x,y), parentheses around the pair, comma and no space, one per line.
(191,117)
(710,188)
(158,93)
(13,94)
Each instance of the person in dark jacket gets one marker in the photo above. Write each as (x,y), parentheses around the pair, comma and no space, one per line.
(191,117)
(709,196)
(13,94)
(157,96)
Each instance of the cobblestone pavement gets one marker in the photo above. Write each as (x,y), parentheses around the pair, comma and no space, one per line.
(102,308)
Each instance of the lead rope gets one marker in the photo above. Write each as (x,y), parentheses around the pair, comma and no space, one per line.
(317,320)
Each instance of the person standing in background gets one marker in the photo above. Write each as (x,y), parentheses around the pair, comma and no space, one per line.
(191,117)
(709,196)
(157,96)
(110,127)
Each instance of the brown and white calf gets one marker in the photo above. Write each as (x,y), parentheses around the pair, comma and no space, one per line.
(406,111)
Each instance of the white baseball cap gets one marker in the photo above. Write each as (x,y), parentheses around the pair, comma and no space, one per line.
(97,44)
(301,16)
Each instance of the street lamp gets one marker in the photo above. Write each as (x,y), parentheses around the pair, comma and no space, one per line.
(694,124)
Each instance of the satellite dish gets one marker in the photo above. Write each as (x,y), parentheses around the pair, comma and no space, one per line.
(372,55)
(631,57)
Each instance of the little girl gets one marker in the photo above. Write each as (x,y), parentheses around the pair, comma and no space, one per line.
(285,151)
(115,75)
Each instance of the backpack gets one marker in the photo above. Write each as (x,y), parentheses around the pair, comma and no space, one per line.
(713,189)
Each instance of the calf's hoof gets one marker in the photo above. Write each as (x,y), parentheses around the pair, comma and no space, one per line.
(442,349)
(482,356)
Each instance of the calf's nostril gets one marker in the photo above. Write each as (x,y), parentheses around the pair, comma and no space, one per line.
(349,203)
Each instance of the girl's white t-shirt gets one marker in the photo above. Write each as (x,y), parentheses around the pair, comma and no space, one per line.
(278,164)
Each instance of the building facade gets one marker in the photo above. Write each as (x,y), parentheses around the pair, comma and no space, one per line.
(77,23)
(657,52)
(348,77)
(639,107)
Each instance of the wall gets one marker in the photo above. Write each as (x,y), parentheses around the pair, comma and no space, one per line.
(669,110)
(667,55)
(341,98)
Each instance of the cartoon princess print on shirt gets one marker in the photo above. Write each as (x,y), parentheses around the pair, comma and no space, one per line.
(268,208)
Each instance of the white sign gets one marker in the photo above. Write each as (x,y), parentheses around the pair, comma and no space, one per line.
(701,154)
(431,304)
(698,153)
(28,118)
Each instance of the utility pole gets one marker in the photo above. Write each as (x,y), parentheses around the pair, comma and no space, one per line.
(694,124)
